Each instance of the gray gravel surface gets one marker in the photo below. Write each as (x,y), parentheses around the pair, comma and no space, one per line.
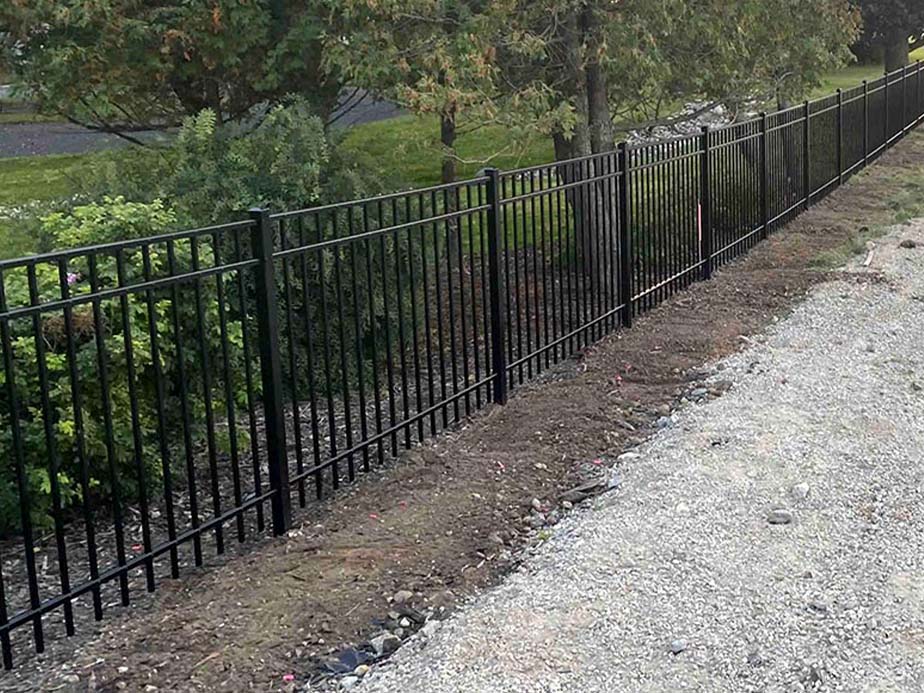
(677,581)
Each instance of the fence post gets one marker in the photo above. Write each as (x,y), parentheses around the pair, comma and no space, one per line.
(625,237)
(865,123)
(806,154)
(904,99)
(840,137)
(705,195)
(917,112)
(917,95)
(271,370)
(495,290)
(765,175)
(885,107)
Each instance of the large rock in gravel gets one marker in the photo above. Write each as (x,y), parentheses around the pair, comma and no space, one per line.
(385,644)
(779,516)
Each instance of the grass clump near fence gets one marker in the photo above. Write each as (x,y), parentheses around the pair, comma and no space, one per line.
(165,392)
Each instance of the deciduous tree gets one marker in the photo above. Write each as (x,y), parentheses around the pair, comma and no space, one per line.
(892,28)
(130,64)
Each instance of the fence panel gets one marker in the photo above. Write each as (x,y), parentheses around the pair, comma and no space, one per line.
(561,231)
(877,116)
(130,419)
(854,117)
(665,218)
(786,166)
(385,327)
(736,173)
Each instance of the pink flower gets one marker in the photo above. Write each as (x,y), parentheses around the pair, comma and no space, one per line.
(72,278)
(288,678)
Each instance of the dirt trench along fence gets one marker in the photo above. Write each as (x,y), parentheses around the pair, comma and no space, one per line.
(163,397)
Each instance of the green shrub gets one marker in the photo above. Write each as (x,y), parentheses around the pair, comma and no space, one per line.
(110,220)
(214,174)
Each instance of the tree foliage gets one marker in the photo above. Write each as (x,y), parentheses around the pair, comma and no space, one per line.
(892,28)
(436,57)
(123,64)
(570,68)
(637,60)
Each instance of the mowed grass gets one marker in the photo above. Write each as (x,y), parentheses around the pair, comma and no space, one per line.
(28,178)
(853,75)
(35,178)
(406,150)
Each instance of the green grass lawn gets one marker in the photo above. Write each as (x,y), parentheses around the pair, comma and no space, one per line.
(13,112)
(41,177)
(30,178)
(853,75)
(407,149)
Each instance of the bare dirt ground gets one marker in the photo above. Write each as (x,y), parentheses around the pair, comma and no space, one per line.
(448,518)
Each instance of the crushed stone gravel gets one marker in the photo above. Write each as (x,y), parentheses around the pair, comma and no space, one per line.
(675,580)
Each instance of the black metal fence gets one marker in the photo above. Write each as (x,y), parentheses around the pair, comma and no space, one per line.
(162,395)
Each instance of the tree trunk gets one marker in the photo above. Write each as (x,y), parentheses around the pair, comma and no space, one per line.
(896,50)
(579,144)
(576,76)
(448,140)
(600,122)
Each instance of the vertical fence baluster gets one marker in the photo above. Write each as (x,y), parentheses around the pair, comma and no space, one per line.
(885,109)
(185,409)
(137,445)
(48,425)
(764,176)
(102,361)
(160,397)
(80,437)
(205,363)
(249,381)
(865,123)
(271,370)
(230,411)
(22,480)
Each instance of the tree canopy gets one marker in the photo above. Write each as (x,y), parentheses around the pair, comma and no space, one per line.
(891,27)
(569,69)
(131,64)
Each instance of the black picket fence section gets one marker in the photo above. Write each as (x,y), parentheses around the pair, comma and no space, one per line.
(164,396)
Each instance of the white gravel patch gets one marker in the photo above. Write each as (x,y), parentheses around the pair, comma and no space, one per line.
(825,420)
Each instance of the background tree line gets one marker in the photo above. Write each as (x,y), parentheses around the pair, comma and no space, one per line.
(569,70)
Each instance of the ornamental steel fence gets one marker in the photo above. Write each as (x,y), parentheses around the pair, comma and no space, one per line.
(163,396)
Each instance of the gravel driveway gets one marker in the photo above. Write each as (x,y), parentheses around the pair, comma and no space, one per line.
(677,580)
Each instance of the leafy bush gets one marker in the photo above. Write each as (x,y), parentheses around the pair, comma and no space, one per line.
(110,220)
(214,174)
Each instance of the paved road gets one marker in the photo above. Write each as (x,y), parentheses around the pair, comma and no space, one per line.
(678,581)
(33,139)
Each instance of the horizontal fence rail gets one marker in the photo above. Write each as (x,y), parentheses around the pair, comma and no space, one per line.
(161,397)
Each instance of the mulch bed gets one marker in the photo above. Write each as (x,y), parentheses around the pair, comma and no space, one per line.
(450,517)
